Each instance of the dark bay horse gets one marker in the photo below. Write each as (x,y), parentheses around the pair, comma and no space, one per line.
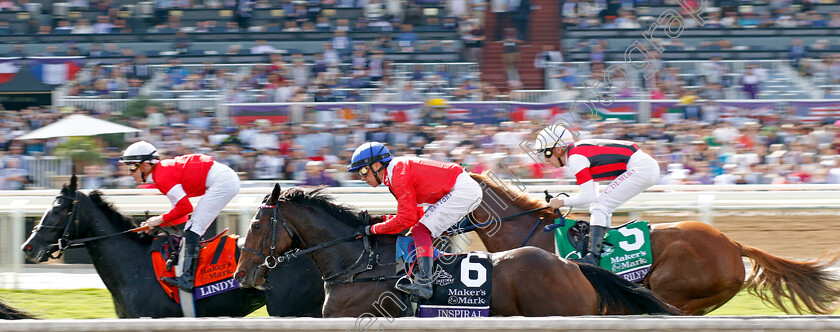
(359,271)
(124,263)
(696,268)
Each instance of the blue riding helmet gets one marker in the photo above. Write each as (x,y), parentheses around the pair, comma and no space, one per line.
(367,154)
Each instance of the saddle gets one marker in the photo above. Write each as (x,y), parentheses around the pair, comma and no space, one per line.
(216,265)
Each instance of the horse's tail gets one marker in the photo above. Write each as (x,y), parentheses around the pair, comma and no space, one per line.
(623,297)
(809,286)
(9,312)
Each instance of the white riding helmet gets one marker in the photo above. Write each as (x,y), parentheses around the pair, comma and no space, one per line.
(554,136)
(140,152)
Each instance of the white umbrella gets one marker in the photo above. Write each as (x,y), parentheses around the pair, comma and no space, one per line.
(77,125)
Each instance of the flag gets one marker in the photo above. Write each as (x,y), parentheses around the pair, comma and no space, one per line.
(455,113)
(545,112)
(54,70)
(8,69)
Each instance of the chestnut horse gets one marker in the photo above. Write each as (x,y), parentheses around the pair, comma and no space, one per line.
(696,268)
(360,270)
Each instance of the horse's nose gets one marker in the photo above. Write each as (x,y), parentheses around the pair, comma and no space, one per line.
(26,248)
(239,275)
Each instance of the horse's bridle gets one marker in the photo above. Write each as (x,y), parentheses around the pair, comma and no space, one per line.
(65,241)
(271,260)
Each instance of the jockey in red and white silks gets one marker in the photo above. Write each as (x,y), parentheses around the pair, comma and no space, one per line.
(448,191)
(179,179)
(192,176)
(630,169)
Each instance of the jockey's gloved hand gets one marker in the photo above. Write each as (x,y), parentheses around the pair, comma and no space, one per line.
(362,231)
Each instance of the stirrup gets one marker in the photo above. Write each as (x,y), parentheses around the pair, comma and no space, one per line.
(423,290)
(590,259)
(183,282)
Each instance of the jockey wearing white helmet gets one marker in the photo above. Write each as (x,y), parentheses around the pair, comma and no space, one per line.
(179,179)
(630,170)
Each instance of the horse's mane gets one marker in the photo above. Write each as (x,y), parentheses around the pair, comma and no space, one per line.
(520,199)
(318,198)
(109,210)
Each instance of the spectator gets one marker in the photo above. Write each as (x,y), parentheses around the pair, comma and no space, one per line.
(63,27)
(323,24)
(406,39)
(502,12)
(261,47)
(102,25)
(93,177)
(750,82)
(549,54)
(244,13)
(798,51)
(316,176)
(520,15)
(18,50)
(510,55)
(82,27)
(341,43)
(473,43)
(269,165)
(14,176)
(331,56)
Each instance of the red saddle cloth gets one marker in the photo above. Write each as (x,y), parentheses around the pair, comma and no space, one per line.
(216,261)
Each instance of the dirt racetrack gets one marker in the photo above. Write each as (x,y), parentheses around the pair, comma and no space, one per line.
(798,234)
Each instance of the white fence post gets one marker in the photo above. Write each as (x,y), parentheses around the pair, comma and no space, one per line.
(244,214)
(17,222)
(706,209)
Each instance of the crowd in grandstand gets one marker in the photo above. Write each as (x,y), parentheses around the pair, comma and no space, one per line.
(690,152)
(702,150)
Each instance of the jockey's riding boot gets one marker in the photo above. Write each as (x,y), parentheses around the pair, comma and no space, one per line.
(596,238)
(187,279)
(423,285)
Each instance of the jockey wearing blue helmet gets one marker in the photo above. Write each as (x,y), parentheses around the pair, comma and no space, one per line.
(367,154)
(416,182)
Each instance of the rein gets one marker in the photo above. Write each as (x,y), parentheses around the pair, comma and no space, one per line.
(65,241)
(462,227)
(272,260)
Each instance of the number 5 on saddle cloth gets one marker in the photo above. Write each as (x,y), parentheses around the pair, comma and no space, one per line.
(626,248)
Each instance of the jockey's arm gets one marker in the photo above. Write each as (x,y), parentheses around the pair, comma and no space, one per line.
(588,187)
(407,214)
(181,206)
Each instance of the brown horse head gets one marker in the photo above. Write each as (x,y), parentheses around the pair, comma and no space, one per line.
(274,230)
(505,199)
(502,200)
(267,239)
